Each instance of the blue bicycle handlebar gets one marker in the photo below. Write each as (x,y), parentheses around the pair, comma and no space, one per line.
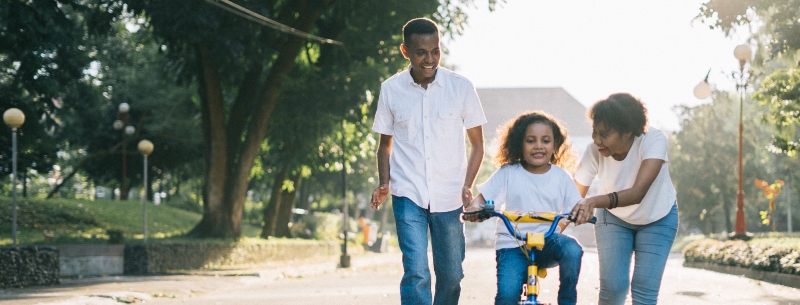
(488,212)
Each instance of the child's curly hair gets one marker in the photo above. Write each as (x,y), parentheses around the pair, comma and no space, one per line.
(513,135)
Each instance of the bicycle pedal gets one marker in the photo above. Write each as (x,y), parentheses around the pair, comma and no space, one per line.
(542,273)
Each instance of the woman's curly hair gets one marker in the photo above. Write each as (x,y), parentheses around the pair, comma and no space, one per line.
(513,136)
(622,113)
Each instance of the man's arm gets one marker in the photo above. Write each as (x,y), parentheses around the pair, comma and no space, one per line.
(384,150)
(475,136)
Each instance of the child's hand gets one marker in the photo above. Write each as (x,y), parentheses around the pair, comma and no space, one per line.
(474,205)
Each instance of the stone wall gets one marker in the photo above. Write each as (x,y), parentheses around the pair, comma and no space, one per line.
(28,266)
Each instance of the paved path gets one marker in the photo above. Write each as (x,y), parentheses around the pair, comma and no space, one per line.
(374,279)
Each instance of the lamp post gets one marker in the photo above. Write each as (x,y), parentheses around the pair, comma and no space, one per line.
(14,118)
(703,90)
(742,52)
(145,147)
(344,260)
(123,122)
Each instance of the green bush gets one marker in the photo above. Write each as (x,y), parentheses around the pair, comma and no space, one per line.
(320,226)
(758,255)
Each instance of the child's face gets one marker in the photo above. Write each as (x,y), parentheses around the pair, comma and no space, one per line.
(538,147)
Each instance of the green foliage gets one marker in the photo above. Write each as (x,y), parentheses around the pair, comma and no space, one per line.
(780,91)
(45,46)
(777,60)
(323,226)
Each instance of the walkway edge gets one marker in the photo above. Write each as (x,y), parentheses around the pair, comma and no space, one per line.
(790,280)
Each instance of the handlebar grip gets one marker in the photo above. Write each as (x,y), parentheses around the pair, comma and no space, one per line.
(592,221)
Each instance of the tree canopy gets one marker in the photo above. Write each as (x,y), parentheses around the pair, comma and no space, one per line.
(777,62)
(245,70)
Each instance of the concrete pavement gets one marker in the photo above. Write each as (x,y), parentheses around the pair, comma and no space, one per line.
(374,279)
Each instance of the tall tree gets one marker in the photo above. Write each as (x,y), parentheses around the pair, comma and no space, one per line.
(241,68)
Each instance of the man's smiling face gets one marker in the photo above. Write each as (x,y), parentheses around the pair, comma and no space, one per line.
(423,53)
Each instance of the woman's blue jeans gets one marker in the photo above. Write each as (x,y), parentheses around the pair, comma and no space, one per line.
(559,250)
(447,243)
(617,240)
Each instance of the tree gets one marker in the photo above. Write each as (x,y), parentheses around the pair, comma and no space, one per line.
(44,49)
(778,59)
(703,164)
(241,68)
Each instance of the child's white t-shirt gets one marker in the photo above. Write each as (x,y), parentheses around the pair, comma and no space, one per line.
(620,175)
(514,189)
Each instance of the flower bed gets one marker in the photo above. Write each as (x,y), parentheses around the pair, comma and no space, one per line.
(753,255)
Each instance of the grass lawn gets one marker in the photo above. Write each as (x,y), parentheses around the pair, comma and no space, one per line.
(72,221)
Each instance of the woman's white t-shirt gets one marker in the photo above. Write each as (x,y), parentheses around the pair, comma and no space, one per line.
(515,189)
(616,175)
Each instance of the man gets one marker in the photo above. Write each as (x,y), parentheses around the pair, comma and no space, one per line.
(422,114)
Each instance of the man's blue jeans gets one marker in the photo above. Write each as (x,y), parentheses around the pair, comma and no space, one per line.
(617,240)
(559,250)
(447,243)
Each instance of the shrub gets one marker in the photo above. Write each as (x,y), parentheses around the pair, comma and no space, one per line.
(753,255)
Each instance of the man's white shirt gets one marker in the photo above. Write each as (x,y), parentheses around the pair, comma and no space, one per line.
(428,162)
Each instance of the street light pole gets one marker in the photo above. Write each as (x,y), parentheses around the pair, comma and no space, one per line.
(742,53)
(344,261)
(14,118)
(124,121)
(145,147)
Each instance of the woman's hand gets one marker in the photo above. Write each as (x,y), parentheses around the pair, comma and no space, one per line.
(583,211)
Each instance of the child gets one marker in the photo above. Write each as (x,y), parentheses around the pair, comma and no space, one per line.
(533,153)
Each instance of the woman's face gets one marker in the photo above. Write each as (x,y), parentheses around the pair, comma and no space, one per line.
(538,147)
(611,143)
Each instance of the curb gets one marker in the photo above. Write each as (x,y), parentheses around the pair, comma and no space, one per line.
(790,280)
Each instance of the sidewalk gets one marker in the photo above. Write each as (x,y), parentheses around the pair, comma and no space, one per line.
(107,290)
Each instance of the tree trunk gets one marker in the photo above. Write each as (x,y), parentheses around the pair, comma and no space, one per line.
(272,208)
(726,209)
(228,160)
(288,200)
(24,183)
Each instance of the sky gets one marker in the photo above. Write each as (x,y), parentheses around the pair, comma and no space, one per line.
(593,48)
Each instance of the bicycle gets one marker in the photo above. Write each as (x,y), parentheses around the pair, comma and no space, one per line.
(531,240)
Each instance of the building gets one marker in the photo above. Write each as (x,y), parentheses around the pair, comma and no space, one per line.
(501,105)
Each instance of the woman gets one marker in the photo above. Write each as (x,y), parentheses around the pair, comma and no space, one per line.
(637,209)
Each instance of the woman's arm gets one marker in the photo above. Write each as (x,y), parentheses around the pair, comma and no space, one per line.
(648,172)
(582,189)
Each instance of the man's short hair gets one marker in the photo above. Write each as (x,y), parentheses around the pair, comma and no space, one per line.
(421,26)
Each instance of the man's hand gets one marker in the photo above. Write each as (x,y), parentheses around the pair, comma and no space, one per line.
(466,196)
(472,208)
(379,195)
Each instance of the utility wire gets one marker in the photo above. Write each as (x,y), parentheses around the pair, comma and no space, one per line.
(255,17)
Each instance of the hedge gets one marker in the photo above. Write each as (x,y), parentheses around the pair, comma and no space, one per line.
(752,255)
